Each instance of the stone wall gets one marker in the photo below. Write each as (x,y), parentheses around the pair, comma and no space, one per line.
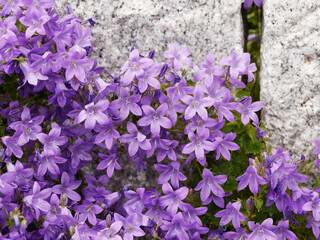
(201,25)
(290,73)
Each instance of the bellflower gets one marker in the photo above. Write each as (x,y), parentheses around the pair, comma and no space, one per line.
(109,162)
(168,150)
(30,75)
(178,57)
(36,200)
(35,21)
(247,110)
(131,226)
(210,184)
(155,118)
(240,234)
(8,30)
(53,140)
(108,134)
(224,108)
(110,233)
(88,211)
(135,139)
(315,225)
(78,152)
(263,231)
(75,66)
(248,3)
(179,90)
(252,178)
(197,104)
(222,145)
(127,104)
(198,145)
(49,162)
(66,187)
(238,65)
(93,113)
(176,228)
(170,172)
(134,68)
(208,70)
(172,199)
(232,212)
(282,231)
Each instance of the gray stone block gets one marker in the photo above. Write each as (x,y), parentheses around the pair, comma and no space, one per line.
(290,76)
(202,26)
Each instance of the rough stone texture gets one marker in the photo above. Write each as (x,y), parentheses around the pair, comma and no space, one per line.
(290,76)
(202,26)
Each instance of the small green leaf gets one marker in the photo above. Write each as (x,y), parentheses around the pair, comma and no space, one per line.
(259,204)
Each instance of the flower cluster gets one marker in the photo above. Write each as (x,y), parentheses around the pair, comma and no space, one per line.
(57,112)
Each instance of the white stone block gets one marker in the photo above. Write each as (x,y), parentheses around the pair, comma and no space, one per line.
(290,73)
(202,26)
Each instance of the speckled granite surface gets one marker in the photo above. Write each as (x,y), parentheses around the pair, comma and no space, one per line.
(290,75)
(202,26)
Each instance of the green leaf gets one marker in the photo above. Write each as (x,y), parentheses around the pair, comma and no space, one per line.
(259,204)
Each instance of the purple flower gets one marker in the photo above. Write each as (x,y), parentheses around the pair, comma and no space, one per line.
(49,163)
(135,139)
(168,150)
(108,134)
(179,90)
(155,118)
(247,110)
(30,75)
(8,30)
(248,3)
(197,104)
(314,206)
(110,233)
(12,146)
(224,108)
(172,199)
(66,187)
(22,174)
(263,231)
(176,228)
(238,64)
(239,235)
(37,200)
(208,70)
(78,153)
(232,212)
(314,224)
(88,211)
(178,57)
(191,214)
(109,162)
(149,78)
(282,231)
(170,172)
(53,140)
(252,178)
(198,145)
(35,21)
(224,144)
(30,127)
(93,113)
(131,225)
(210,184)
(126,104)
(75,66)
(134,68)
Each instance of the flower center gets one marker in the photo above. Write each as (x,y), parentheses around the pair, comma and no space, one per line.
(156,116)
(134,66)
